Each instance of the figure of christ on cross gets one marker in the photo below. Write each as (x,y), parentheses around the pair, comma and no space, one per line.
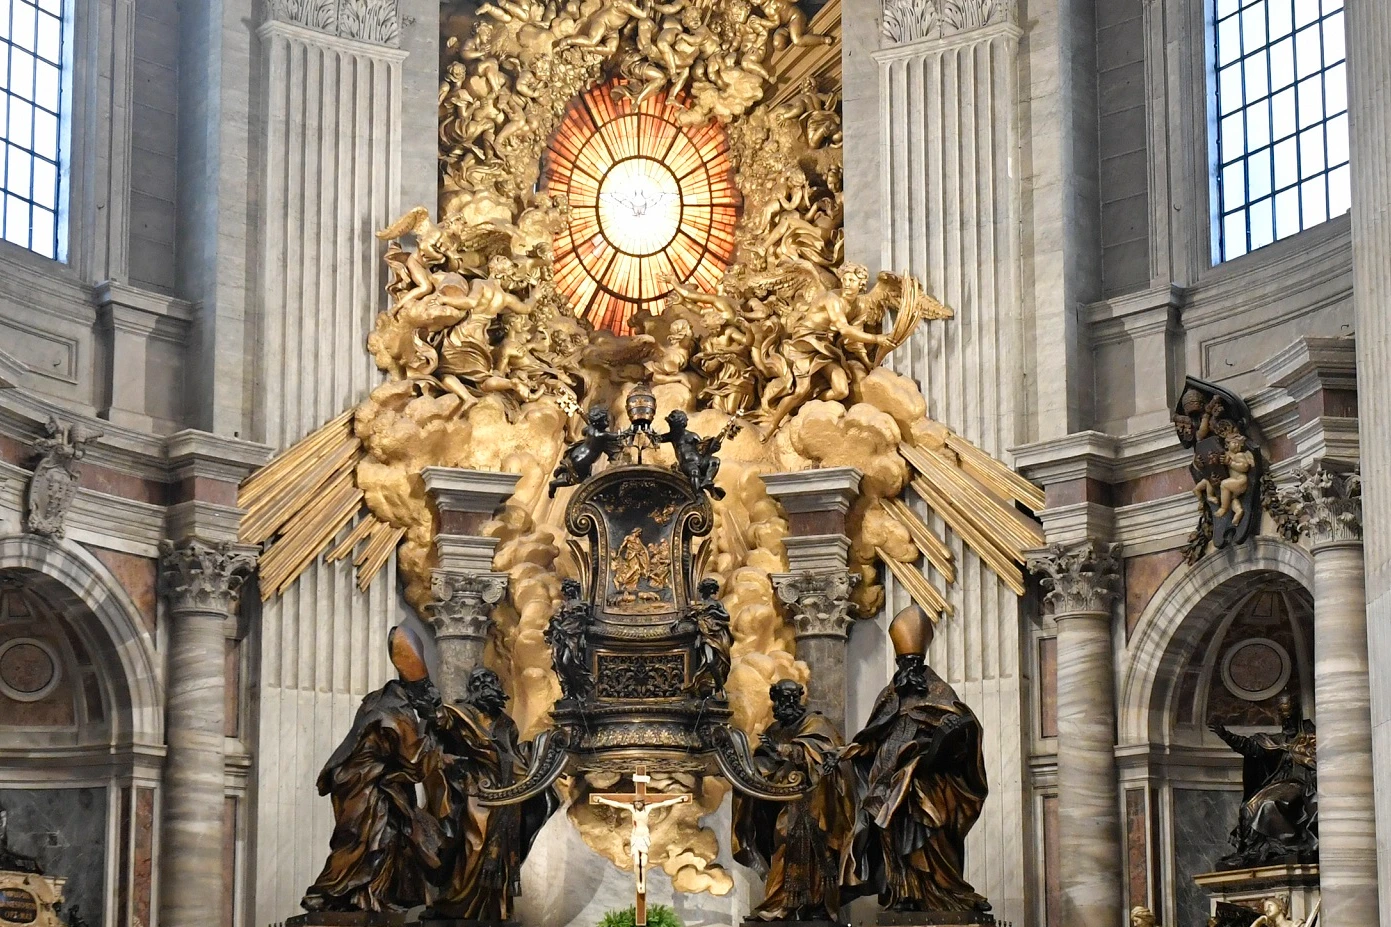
(640,804)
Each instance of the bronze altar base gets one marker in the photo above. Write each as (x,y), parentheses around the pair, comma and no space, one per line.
(348,919)
(935,919)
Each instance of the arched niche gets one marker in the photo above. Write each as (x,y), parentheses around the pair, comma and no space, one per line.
(81,727)
(1180,784)
(1182,618)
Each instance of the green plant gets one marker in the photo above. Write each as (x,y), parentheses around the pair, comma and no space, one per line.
(658,915)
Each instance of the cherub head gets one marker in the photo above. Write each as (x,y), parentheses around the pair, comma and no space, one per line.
(691,18)
(680,332)
(709,587)
(570,589)
(1236,441)
(599,417)
(677,420)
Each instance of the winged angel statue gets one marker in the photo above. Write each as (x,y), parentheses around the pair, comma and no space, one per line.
(488,366)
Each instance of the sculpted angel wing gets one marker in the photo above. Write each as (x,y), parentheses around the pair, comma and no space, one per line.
(416,222)
(792,278)
(903,294)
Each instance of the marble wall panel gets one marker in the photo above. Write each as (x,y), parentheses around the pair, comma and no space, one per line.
(1142,577)
(1052,859)
(1202,820)
(137,575)
(1048,687)
(1136,860)
(65,830)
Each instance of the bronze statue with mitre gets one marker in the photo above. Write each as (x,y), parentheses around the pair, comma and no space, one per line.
(385,846)
(919,784)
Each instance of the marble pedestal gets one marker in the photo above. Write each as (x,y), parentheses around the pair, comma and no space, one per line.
(1249,887)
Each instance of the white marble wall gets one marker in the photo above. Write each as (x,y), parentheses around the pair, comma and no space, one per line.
(1369,32)
(331,173)
(951,210)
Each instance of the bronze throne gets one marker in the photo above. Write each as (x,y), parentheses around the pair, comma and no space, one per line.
(645,682)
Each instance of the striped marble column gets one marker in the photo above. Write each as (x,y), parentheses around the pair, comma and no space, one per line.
(1082,579)
(199,582)
(1369,87)
(1331,517)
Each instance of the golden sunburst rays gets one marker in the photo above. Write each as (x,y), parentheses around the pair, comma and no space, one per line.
(650,201)
(300,501)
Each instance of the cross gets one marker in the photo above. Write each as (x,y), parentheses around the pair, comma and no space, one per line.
(639,803)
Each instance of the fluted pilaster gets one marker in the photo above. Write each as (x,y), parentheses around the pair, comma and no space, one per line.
(821,611)
(1081,581)
(1369,87)
(461,619)
(949,173)
(1329,508)
(199,582)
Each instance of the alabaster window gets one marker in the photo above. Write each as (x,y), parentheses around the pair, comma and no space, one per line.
(32,35)
(1281,141)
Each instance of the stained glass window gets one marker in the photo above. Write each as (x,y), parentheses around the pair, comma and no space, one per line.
(1281,150)
(31,124)
(650,201)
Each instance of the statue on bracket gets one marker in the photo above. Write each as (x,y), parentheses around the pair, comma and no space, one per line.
(796,845)
(384,844)
(1226,468)
(919,784)
(709,620)
(568,637)
(1279,810)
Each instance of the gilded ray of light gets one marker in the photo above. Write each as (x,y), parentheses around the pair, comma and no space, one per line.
(650,202)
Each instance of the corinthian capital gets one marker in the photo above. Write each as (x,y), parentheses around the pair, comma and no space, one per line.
(1080,578)
(196,576)
(463,603)
(819,600)
(1327,504)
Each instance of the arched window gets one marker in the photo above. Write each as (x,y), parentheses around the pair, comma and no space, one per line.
(32,115)
(1280,150)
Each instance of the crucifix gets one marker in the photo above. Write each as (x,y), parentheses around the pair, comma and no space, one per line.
(639,803)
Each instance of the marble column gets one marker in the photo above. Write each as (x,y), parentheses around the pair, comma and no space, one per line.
(199,582)
(461,617)
(1330,516)
(1081,580)
(1369,84)
(464,587)
(819,601)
